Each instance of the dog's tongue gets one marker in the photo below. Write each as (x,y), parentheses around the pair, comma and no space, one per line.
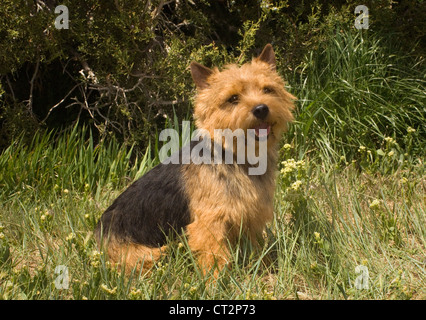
(262,133)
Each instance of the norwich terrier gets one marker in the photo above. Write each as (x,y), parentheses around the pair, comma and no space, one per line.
(212,202)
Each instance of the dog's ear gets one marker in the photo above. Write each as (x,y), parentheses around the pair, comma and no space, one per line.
(268,56)
(200,74)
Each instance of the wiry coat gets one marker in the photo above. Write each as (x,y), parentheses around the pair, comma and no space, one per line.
(211,203)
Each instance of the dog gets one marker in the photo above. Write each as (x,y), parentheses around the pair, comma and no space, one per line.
(212,203)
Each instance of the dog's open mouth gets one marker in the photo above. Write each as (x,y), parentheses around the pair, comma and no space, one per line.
(262,131)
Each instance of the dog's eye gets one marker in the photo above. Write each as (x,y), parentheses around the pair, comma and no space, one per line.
(233,99)
(268,90)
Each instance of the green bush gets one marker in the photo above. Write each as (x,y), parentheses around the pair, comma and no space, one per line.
(122,66)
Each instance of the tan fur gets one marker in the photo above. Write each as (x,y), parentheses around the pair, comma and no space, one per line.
(224,199)
(228,202)
(248,81)
(132,256)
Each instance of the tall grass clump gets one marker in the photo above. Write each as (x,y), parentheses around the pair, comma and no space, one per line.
(354,91)
(70,161)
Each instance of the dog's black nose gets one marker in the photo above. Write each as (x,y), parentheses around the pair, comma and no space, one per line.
(261,111)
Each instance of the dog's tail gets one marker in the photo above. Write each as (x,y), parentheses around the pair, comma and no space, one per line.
(132,257)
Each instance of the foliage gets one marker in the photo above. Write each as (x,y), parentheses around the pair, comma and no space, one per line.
(121,67)
(356,92)
(71,162)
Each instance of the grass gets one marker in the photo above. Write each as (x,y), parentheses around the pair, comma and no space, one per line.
(355,91)
(350,192)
